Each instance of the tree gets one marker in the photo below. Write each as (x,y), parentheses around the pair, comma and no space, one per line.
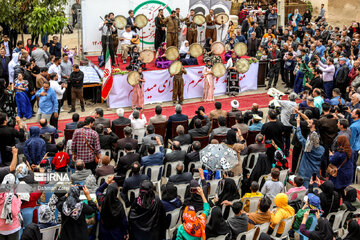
(38,16)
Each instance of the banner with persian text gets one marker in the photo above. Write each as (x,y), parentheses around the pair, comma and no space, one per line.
(158,86)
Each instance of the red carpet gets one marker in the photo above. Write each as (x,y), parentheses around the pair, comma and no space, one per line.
(189,109)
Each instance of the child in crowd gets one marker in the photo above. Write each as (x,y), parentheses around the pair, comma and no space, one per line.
(272,187)
(298,186)
(61,158)
(254,188)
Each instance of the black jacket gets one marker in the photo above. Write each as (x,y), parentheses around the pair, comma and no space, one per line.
(129,22)
(77,79)
(182,178)
(107,141)
(125,162)
(277,58)
(183,139)
(342,76)
(120,121)
(194,156)
(201,132)
(175,156)
(7,60)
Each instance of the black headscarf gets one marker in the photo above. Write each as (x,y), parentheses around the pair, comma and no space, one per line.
(112,210)
(349,198)
(329,198)
(207,45)
(229,192)
(193,199)
(354,231)
(169,192)
(217,225)
(31,232)
(231,137)
(323,231)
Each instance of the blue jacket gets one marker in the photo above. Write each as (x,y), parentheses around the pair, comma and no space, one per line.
(345,173)
(310,161)
(175,118)
(47,104)
(153,159)
(321,49)
(35,147)
(355,135)
(49,129)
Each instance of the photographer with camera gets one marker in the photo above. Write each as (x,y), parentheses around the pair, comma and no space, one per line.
(107,28)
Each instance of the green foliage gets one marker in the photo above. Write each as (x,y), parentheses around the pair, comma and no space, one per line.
(309,6)
(39,16)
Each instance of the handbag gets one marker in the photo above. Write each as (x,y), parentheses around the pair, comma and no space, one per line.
(332,170)
(91,149)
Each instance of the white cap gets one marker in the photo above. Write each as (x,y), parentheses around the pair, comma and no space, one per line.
(235,104)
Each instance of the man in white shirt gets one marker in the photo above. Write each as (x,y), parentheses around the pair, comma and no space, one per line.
(106,31)
(66,69)
(126,43)
(55,68)
(136,121)
(59,90)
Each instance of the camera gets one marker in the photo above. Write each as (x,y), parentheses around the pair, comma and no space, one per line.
(81,187)
(153,138)
(313,211)
(109,22)
(193,190)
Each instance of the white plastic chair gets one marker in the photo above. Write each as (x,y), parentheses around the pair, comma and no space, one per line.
(231,212)
(173,168)
(103,177)
(288,224)
(221,237)
(338,218)
(252,158)
(174,222)
(106,152)
(185,147)
(253,203)
(155,176)
(50,233)
(134,192)
(249,235)
(283,176)
(120,154)
(181,189)
(195,165)
(263,228)
(357,175)
(213,187)
(297,195)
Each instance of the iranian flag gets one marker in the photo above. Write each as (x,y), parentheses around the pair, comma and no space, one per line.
(108,77)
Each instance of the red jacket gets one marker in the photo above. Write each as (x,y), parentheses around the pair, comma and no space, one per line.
(352,75)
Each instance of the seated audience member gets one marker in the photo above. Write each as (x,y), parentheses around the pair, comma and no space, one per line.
(350,200)
(120,144)
(132,182)
(176,155)
(99,118)
(194,155)
(282,212)
(158,118)
(217,225)
(44,214)
(254,110)
(256,123)
(273,187)
(197,116)
(47,128)
(329,198)
(258,146)
(229,192)
(105,169)
(353,229)
(234,109)
(239,223)
(125,162)
(298,186)
(106,141)
(80,173)
(61,159)
(73,124)
(313,203)
(8,169)
(73,212)
(169,197)
(154,158)
(136,121)
(50,147)
(192,198)
(147,219)
(222,129)
(254,188)
(182,138)
(263,215)
(193,226)
(199,130)
(113,221)
(336,98)
(181,177)
(240,124)
(35,147)
(217,112)
(323,228)
(177,117)
(150,138)
(121,120)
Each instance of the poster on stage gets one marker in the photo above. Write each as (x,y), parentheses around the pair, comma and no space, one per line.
(158,86)
(92,10)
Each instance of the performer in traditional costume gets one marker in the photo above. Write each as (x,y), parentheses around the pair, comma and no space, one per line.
(233,85)
(185,57)
(138,92)
(24,108)
(135,61)
(178,87)
(211,31)
(172,25)
(208,87)
(229,49)
(161,61)
(159,29)
(191,32)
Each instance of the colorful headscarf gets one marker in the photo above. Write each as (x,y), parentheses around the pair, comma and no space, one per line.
(314,201)
(194,225)
(313,141)
(44,214)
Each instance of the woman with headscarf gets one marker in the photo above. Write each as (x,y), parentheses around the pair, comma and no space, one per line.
(229,49)
(313,151)
(329,198)
(350,200)
(229,192)
(323,229)
(138,92)
(73,211)
(294,19)
(185,57)
(208,87)
(147,218)
(12,64)
(283,211)
(312,203)
(193,226)
(161,61)
(7,104)
(342,159)
(169,197)
(58,193)
(232,87)
(24,109)
(44,214)
(354,231)
(217,225)
(113,222)
(10,205)
(306,17)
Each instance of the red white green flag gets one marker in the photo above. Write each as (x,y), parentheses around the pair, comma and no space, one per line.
(108,77)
